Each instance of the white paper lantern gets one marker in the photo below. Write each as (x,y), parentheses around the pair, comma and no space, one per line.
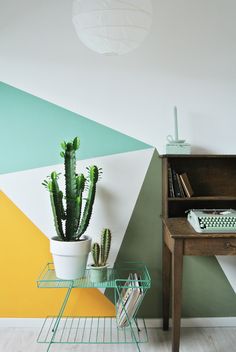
(112,26)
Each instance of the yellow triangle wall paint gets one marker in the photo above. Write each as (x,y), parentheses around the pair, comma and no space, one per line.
(24,252)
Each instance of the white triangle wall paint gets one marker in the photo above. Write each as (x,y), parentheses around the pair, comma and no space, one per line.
(117,193)
(228,265)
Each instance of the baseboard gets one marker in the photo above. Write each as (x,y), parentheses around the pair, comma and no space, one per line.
(196,322)
(150,323)
(21,322)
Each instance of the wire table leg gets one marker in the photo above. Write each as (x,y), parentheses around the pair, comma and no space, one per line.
(133,334)
(54,329)
(136,323)
(130,323)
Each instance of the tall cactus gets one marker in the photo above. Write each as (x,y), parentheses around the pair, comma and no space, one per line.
(101,252)
(69,224)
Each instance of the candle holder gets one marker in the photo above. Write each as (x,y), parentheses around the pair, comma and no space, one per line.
(176,145)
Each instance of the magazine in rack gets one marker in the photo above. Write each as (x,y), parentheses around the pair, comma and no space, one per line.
(130,298)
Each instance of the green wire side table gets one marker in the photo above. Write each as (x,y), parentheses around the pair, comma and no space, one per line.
(98,330)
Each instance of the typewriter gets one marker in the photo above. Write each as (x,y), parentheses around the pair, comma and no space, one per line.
(212,220)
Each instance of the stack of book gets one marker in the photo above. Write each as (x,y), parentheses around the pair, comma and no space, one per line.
(179,185)
(129,300)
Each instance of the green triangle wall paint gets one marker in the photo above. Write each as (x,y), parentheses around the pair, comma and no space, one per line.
(206,290)
(31,130)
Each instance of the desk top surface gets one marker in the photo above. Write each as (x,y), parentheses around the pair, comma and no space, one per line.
(180,228)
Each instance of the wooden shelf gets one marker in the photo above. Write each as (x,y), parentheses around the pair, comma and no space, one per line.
(212,178)
(202,198)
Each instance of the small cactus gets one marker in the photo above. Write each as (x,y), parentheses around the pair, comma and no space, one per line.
(105,245)
(75,223)
(96,253)
(100,252)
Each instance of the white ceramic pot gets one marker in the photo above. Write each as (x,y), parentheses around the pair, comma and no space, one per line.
(70,258)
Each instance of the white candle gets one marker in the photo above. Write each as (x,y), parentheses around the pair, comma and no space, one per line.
(176,124)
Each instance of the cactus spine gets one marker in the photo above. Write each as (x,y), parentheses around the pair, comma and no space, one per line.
(69,223)
(101,252)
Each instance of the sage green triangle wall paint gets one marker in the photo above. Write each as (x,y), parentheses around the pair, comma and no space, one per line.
(206,290)
(31,130)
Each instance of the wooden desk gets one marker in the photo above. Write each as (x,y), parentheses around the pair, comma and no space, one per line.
(180,239)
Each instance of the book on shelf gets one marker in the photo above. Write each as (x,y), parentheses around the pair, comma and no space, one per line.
(180,186)
(130,298)
(170,183)
(186,185)
(176,184)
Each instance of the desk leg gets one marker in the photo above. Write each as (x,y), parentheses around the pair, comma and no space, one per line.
(177,273)
(166,271)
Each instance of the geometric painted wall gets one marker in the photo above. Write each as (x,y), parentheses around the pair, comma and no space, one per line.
(26,222)
(128,201)
(31,132)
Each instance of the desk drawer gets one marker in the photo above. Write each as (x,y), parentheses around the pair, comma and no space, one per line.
(210,246)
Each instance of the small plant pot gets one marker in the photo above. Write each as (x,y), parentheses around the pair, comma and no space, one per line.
(70,258)
(98,273)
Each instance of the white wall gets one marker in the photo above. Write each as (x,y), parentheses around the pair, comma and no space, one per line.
(188,60)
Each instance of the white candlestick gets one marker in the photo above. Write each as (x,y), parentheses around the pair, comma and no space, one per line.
(176,124)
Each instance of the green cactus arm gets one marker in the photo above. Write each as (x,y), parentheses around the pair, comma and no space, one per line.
(62,210)
(70,177)
(80,184)
(56,216)
(56,190)
(96,253)
(93,179)
(105,245)
(87,210)
(78,206)
(76,143)
(50,183)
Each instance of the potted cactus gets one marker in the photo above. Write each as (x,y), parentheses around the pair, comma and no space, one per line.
(70,248)
(100,253)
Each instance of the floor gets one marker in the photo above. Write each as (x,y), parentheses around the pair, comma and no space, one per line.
(192,340)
